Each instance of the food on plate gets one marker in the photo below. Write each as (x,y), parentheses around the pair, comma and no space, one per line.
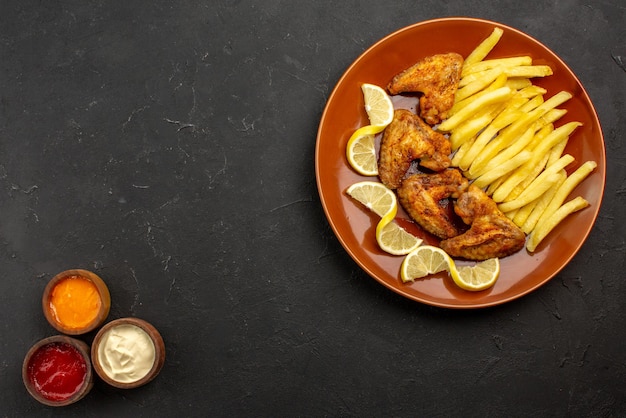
(378,105)
(423,261)
(421,194)
(408,138)
(390,237)
(427,260)
(376,197)
(393,239)
(480,276)
(437,78)
(360,151)
(511,148)
(491,233)
(483,137)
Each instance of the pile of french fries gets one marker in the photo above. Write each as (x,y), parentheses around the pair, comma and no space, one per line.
(502,130)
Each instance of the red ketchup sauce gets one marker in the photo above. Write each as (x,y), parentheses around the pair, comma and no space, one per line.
(57,371)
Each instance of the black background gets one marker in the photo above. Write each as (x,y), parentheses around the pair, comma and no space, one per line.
(169,147)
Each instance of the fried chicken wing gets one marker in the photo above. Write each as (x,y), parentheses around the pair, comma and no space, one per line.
(437,77)
(420,196)
(408,138)
(491,233)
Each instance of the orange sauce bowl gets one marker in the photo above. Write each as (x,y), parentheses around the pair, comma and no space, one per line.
(57,370)
(76,301)
(127,353)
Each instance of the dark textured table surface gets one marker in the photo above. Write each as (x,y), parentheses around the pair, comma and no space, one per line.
(170,149)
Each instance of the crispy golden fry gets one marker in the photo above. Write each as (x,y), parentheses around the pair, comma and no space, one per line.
(506,154)
(566,188)
(528,71)
(460,152)
(474,125)
(496,63)
(538,155)
(503,169)
(524,71)
(545,227)
(512,132)
(531,193)
(495,96)
(469,93)
(517,83)
(541,204)
(557,151)
(534,172)
(520,215)
(484,48)
(508,115)
(480,84)
(529,189)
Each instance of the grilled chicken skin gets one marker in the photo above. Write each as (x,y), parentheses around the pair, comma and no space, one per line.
(420,196)
(408,138)
(491,233)
(437,77)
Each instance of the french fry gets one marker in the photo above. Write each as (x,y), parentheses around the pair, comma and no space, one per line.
(517,83)
(514,185)
(461,152)
(553,168)
(535,189)
(480,84)
(528,71)
(524,212)
(504,118)
(502,169)
(543,229)
(536,170)
(506,154)
(557,151)
(542,148)
(495,96)
(466,95)
(496,63)
(541,204)
(566,188)
(531,194)
(484,48)
(472,126)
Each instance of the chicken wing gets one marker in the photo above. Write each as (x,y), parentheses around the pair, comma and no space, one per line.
(408,138)
(420,196)
(491,233)
(437,77)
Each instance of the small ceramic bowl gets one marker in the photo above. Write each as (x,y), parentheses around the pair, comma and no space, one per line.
(120,339)
(57,370)
(71,320)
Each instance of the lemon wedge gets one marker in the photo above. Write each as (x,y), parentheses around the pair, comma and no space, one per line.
(390,237)
(378,105)
(480,276)
(426,260)
(423,261)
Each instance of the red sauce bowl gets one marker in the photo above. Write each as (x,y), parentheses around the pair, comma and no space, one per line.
(57,370)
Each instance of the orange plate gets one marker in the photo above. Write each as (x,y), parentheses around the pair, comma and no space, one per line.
(355,226)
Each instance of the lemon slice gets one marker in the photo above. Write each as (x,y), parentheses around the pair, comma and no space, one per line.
(391,238)
(423,261)
(480,276)
(376,197)
(378,105)
(361,153)
(394,240)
